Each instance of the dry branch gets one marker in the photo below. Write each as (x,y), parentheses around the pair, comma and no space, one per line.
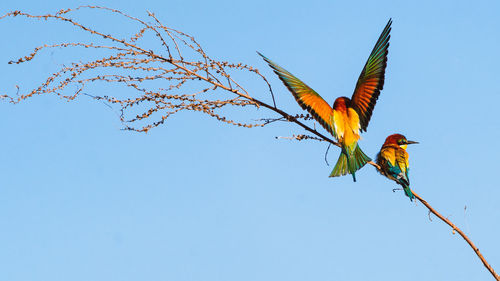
(465,237)
(453,226)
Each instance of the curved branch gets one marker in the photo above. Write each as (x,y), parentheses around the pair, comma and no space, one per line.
(454,227)
(465,237)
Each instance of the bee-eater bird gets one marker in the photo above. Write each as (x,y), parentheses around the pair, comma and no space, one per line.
(348,116)
(393,161)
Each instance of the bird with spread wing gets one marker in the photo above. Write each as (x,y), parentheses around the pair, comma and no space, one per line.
(348,117)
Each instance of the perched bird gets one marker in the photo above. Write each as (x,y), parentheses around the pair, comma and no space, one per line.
(393,161)
(348,116)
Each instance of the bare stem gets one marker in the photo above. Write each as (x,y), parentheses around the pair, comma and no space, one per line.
(465,237)
(454,227)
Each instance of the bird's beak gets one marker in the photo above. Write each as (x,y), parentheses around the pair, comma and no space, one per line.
(411,142)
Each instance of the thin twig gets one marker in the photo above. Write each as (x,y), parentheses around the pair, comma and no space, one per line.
(454,227)
(465,237)
(326,154)
(300,137)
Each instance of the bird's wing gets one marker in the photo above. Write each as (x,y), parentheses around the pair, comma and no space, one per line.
(397,163)
(307,98)
(371,79)
(402,162)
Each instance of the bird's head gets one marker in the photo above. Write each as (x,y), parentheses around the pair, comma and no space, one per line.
(398,139)
(341,104)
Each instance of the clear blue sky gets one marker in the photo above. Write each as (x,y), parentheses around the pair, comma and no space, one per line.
(198,200)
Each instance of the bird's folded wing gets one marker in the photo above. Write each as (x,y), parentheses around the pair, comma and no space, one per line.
(371,79)
(398,174)
(402,162)
(307,98)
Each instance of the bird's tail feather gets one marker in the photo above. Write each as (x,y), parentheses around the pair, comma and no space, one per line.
(350,164)
(359,159)
(340,168)
(408,192)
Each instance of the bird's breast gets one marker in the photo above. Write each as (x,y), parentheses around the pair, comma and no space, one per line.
(346,123)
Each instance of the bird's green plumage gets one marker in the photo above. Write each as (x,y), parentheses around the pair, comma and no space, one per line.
(305,96)
(340,168)
(350,162)
(402,178)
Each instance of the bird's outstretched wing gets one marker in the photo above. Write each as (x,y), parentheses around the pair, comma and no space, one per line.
(307,98)
(371,79)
